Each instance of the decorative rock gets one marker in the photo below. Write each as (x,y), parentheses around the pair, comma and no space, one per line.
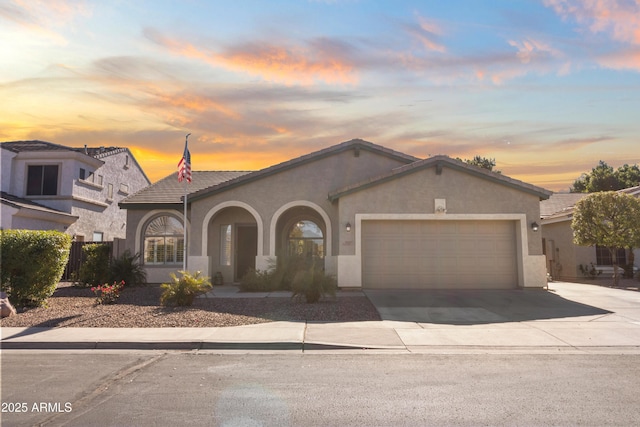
(6,309)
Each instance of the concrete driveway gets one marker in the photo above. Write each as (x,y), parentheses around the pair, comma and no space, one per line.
(563,301)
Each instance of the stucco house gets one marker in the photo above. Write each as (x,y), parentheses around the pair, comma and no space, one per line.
(374,217)
(563,257)
(47,186)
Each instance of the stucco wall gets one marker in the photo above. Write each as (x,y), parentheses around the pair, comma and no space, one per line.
(312,182)
(104,215)
(416,193)
(568,255)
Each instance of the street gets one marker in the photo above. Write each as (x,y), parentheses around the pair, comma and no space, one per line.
(175,388)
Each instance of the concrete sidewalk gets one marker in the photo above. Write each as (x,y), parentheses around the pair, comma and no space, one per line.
(612,327)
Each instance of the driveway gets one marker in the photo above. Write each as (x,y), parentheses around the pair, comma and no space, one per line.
(563,301)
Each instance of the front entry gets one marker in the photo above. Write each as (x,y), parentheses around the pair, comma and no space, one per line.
(246,249)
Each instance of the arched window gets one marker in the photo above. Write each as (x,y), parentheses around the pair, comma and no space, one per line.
(306,239)
(164,241)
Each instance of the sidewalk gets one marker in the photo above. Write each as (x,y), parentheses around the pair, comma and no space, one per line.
(615,330)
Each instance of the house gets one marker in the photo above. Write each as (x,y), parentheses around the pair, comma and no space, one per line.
(373,217)
(566,260)
(47,186)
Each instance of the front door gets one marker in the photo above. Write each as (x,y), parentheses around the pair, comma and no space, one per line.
(246,249)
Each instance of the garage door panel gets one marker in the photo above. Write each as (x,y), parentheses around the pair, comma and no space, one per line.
(439,254)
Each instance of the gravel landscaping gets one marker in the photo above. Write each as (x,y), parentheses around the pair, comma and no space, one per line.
(139,307)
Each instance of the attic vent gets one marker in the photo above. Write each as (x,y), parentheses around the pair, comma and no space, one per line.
(356,152)
(438,168)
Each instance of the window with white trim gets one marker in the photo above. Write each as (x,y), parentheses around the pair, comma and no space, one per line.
(225,244)
(164,241)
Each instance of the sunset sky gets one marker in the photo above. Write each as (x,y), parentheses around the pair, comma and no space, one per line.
(547,88)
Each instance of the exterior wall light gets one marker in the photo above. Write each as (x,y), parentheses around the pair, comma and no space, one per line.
(348,227)
(535,226)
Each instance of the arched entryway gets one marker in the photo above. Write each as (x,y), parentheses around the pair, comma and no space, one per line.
(301,231)
(232,242)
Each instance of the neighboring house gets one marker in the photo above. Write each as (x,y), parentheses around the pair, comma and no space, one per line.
(564,258)
(373,217)
(48,186)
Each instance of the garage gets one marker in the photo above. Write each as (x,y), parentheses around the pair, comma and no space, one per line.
(439,254)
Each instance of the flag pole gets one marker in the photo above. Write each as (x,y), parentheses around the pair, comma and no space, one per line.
(184,256)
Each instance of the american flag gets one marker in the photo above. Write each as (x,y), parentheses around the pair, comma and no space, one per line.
(184,166)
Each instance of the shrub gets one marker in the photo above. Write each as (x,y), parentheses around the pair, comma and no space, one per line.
(108,294)
(181,291)
(313,283)
(127,268)
(257,281)
(95,267)
(32,264)
(284,270)
(589,271)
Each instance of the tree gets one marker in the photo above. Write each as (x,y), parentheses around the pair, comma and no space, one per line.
(604,178)
(608,219)
(481,162)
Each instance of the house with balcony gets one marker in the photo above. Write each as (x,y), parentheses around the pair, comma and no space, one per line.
(47,186)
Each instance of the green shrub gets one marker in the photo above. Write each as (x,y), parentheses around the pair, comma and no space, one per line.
(127,268)
(284,270)
(313,283)
(181,291)
(589,271)
(32,264)
(257,281)
(95,266)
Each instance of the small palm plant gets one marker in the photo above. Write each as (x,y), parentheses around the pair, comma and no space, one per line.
(182,290)
(128,268)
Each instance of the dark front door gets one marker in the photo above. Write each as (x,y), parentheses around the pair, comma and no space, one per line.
(246,249)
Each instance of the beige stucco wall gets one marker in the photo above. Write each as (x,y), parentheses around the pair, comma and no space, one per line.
(309,183)
(567,255)
(416,193)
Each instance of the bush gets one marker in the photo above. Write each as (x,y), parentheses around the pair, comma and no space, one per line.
(313,283)
(284,270)
(127,268)
(589,271)
(108,294)
(181,291)
(257,281)
(32,264)
(95,267)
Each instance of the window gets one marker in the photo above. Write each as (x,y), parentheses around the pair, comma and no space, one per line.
(603,256)
(164,241)
(42,180)
(110,191)
(306,239)
(98,236)
(225,244)
(99,180)
(82,173)
(124,188)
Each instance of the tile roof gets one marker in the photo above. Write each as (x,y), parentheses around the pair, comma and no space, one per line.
(169,191)
(35,145)
(441,160)
(566,212)
(559,202)
(19,202)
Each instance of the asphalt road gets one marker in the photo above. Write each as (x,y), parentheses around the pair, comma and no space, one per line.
(173,389)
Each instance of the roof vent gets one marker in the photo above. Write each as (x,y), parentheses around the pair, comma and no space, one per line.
(85,149)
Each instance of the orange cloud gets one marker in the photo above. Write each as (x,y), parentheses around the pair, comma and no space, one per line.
(289,65)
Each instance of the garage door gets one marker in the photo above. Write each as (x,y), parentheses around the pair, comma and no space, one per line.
(441,254)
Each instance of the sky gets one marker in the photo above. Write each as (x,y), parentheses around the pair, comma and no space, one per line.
(546,87)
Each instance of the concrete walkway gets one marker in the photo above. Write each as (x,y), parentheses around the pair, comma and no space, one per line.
(569,318)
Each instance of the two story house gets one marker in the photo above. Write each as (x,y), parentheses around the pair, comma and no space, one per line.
(47,186)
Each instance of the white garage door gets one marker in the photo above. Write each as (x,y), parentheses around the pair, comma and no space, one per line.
(442,254)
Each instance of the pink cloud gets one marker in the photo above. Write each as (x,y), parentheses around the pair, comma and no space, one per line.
(320,60)
(620,19)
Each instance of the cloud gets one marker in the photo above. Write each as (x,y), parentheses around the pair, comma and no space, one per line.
(619,18)
(427,33)
(44,18)
(317,60)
